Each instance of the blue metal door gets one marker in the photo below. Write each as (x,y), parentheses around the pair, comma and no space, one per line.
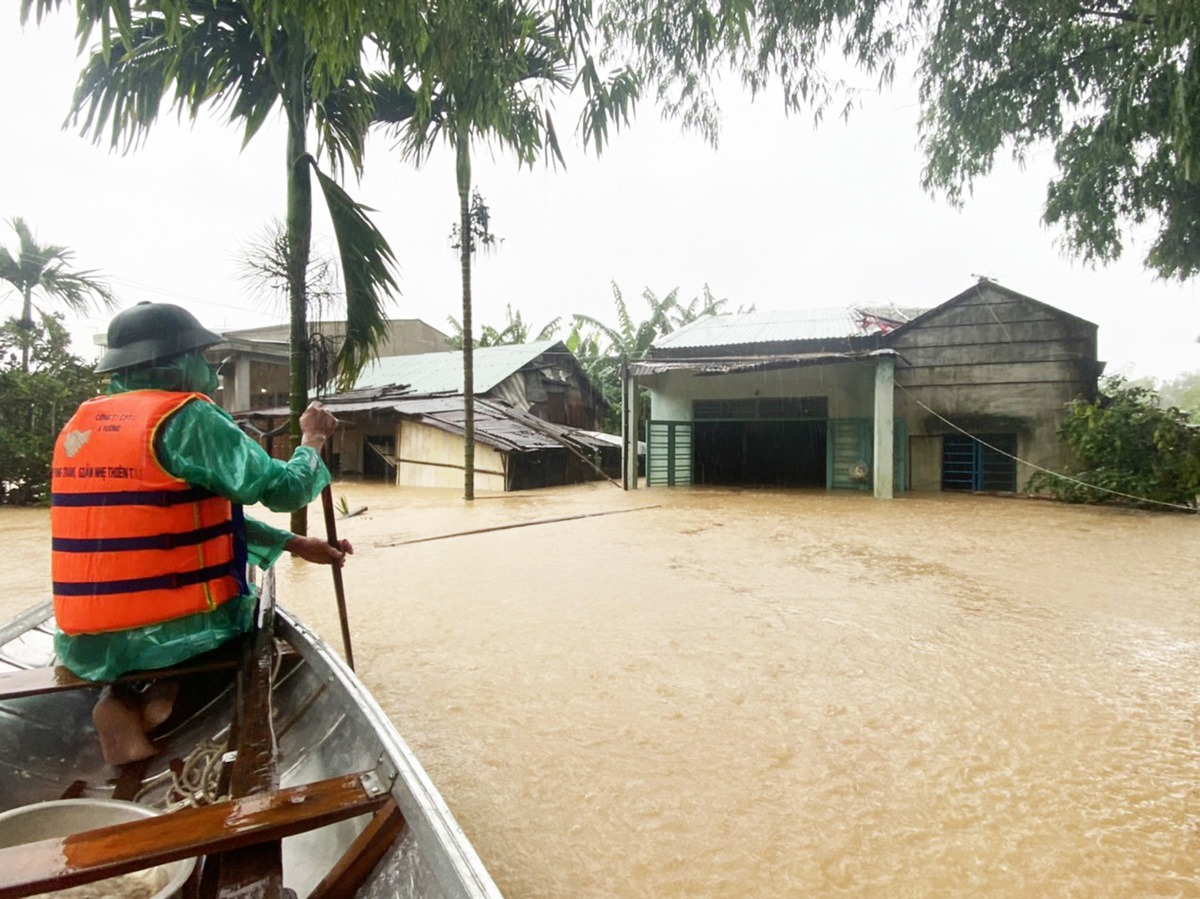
(984,463)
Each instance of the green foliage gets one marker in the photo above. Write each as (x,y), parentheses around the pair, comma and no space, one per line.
(601,348)
(1130,450)
(44,270)
(1183,392)
(516,331)
(35,404)
(1113,86)
(248,59)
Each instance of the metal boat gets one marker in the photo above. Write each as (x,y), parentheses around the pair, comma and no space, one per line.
(301,789)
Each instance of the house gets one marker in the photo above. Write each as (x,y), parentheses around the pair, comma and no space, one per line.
(254,362)
(964,396)
(536,422)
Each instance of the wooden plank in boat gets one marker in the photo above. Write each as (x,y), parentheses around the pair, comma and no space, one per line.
(38,681)
(251,872)
(59,863)
(361,857)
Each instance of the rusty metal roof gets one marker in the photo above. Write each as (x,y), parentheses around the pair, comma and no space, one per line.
(781,327)
(497,424)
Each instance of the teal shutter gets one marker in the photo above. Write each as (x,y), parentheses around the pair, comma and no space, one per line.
(668,453)
(850,443)
(848,446)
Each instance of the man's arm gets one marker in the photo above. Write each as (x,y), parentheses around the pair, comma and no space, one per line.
(265,544)
(204,446)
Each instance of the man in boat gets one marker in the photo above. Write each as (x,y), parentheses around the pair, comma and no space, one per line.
(150,544)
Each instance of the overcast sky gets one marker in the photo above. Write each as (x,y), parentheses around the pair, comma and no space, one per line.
(781,216)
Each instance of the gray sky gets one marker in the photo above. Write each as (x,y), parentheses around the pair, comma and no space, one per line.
(781,216)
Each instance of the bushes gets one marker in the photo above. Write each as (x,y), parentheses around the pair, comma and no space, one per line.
(1129,449)
(35,404)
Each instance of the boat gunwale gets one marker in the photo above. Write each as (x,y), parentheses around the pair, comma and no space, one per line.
(442,844)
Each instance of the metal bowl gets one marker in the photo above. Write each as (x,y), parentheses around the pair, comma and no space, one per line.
(61,817)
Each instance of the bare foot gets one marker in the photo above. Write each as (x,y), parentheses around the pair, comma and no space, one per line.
(157,703)
(119,727)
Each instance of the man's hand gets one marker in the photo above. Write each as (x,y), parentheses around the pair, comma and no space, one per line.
(314,549)
(316,425)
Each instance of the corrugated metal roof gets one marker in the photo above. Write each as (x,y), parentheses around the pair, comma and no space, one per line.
(725,365)
(443,372)
(497,424)
(772,327)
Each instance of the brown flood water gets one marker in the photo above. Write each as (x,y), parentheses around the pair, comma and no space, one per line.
(767,693)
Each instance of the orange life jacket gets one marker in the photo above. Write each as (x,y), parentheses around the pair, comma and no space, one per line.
(132,544)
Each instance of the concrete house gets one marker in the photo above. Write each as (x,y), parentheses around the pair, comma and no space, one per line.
(963,396)
(536,420)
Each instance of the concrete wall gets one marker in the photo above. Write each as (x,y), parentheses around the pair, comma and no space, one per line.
(991,362)
(430,457)
(849,387)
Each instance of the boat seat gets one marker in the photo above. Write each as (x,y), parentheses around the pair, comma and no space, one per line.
(59,863)
(40,681)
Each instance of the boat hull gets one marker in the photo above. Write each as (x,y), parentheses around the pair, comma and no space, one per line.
(325,723)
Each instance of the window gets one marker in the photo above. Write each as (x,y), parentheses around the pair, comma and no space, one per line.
(751,408)
(983,463)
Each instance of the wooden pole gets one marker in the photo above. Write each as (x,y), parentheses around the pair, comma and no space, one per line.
(338,589)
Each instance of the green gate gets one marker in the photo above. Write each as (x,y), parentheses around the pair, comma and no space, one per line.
(850,451)
(668,453)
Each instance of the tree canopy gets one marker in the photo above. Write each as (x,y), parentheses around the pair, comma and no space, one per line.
(36,399)
(1114,87)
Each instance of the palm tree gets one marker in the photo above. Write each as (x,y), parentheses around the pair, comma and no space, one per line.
(46,270)
(249,57)
(483,73)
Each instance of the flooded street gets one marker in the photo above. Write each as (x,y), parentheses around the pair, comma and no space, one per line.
(765,693)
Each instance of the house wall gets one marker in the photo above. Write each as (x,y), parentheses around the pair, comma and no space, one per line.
(993,362)
(430,457)
(849,387)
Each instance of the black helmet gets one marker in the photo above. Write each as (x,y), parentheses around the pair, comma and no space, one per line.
(152,331)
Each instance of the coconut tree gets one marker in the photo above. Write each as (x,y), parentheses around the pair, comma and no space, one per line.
(248,58)
(45,270)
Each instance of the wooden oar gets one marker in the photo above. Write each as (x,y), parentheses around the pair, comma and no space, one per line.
(339,591)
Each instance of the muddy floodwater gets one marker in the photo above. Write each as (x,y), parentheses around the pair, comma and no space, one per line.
(765,693)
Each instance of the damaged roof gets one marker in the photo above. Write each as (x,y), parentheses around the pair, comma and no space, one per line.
(497,424)
(430,373)
(784,326)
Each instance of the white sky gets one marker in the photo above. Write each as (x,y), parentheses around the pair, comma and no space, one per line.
(781,216)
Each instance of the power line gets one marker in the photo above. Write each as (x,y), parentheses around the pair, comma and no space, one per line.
(1053,474)
(166,292)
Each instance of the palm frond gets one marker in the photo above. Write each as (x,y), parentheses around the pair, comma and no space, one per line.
(367,264)
(615,338)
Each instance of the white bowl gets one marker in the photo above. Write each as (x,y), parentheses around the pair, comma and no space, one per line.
(61,817)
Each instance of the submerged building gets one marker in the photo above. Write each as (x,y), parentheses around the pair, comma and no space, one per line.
(536,420)
(967,395)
